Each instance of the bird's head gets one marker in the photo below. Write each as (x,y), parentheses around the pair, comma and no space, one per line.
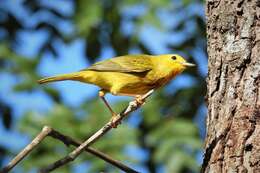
(177,62)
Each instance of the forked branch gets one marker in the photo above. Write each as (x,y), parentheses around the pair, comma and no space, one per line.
(132,106)
(48,131)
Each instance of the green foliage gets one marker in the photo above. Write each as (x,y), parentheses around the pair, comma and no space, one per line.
(165,128)
(88,15)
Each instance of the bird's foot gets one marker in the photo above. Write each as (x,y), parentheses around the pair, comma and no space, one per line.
(139,100)
(114,120)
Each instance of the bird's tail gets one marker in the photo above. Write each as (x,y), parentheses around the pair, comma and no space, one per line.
(70,76)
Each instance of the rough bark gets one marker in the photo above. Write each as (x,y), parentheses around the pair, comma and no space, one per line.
(233,97)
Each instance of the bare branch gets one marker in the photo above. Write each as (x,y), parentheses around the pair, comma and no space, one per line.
(45,131)
(68,141)
(73,155)
(48,131)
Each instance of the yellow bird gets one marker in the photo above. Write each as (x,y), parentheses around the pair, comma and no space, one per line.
(129,75)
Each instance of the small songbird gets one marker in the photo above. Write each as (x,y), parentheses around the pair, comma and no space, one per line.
(129,75)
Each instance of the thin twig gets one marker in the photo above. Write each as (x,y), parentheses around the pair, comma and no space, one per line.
(48,131)
(73,155)
(69,141)
(45,131)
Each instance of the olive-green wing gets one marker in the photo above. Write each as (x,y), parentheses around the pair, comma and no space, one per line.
(125,64)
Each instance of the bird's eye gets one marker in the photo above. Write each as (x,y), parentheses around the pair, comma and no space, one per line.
(174,57)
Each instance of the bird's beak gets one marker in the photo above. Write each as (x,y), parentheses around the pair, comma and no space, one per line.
(187,64)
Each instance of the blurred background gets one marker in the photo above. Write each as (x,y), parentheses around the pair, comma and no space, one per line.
(41,38)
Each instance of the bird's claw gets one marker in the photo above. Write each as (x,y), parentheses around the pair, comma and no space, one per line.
(139,100)
(114,121)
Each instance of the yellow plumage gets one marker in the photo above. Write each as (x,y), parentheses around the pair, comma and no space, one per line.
(130,75)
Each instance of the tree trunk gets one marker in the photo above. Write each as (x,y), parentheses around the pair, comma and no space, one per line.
(233,122)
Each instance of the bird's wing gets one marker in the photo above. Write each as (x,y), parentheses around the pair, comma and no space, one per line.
(125,64)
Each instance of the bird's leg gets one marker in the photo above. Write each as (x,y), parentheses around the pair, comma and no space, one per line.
(101,94)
